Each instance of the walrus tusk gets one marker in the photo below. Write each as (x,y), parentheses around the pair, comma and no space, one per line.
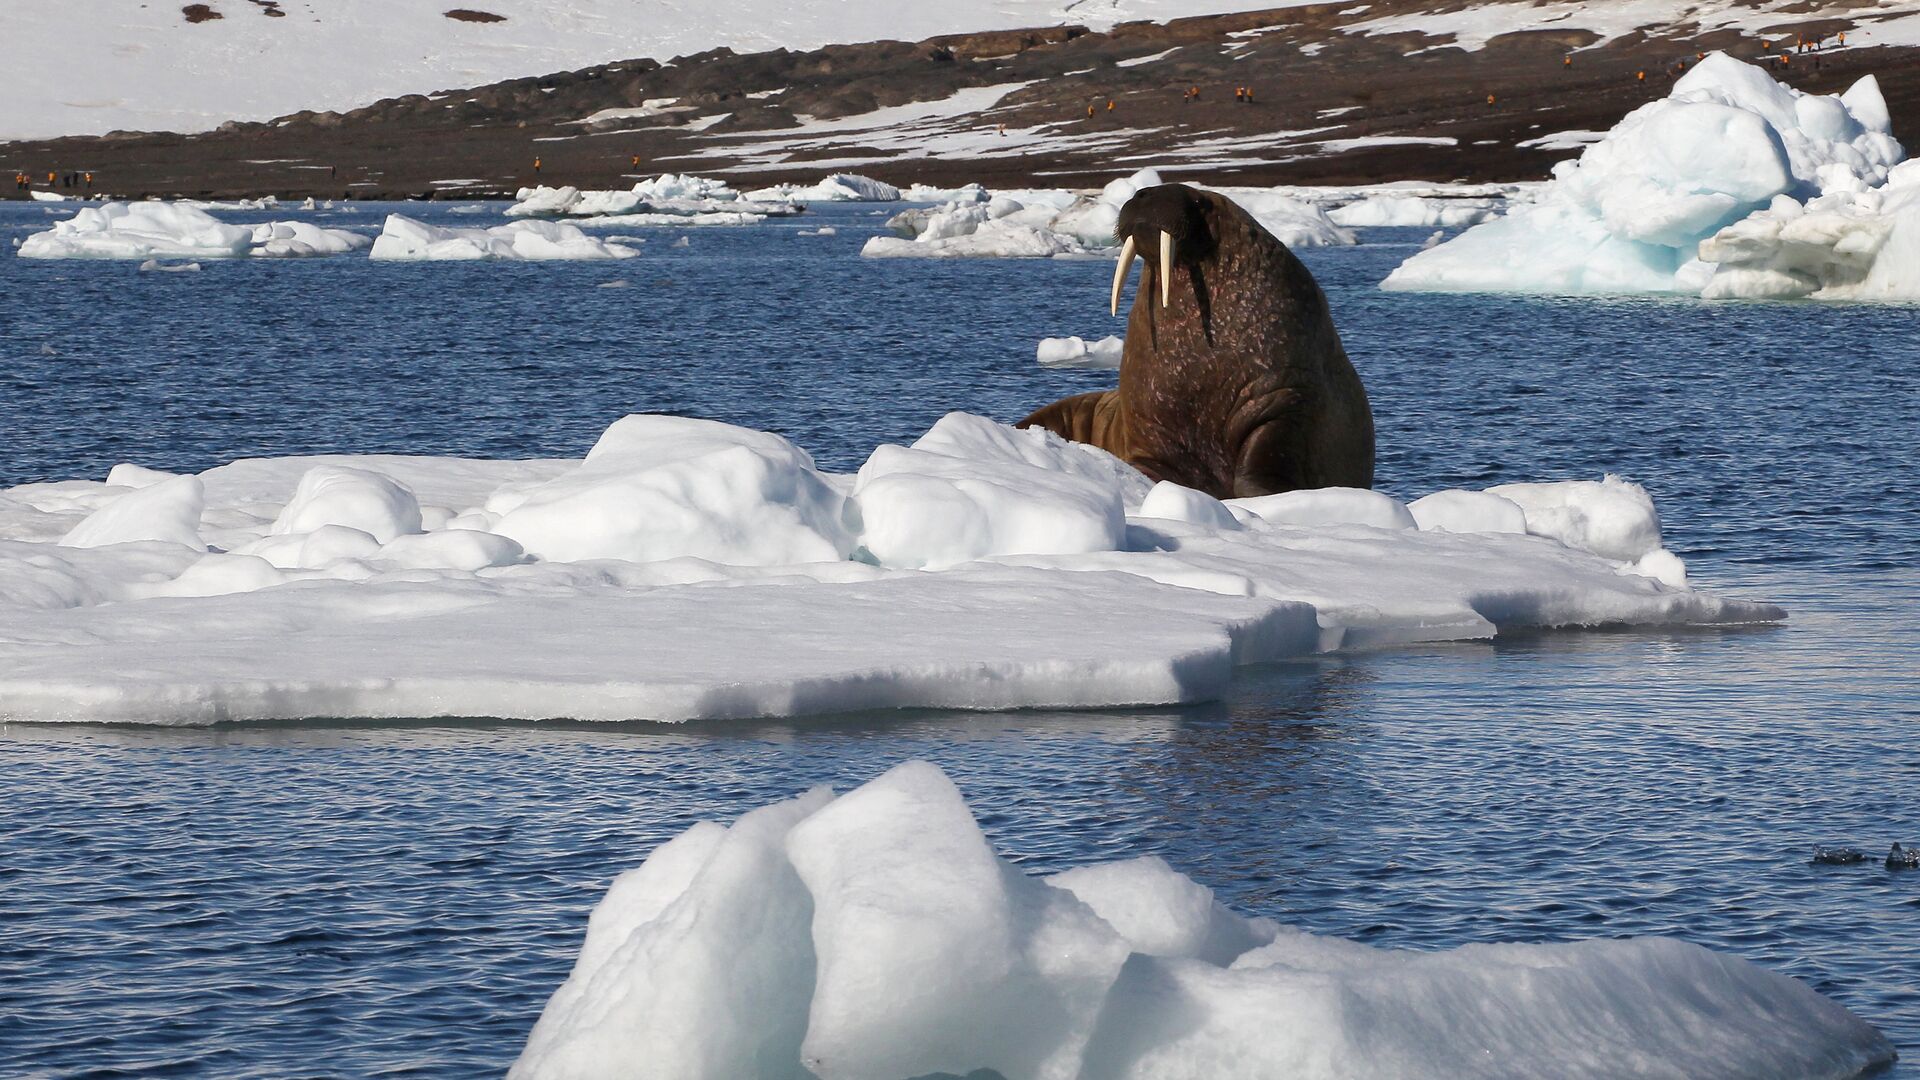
(1120,275)
(1166,267)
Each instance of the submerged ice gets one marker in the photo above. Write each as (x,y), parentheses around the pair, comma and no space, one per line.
(878,935)
(1732,186)
(687,569)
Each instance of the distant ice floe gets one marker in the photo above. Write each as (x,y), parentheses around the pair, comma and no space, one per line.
(840,187)
(980,567)
(878,934)
(160,230)
(1073,352)
(404,239)
(666,200)
(1732,186)
(1030,225)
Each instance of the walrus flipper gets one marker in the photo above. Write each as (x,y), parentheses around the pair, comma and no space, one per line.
(1084,418)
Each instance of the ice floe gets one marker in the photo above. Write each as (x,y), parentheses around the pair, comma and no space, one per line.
(162,230)
(1052,224)
(669,199)
(878,934)
(404,239)
(840,187)
(1073,352)
(1732,186)
(687,569)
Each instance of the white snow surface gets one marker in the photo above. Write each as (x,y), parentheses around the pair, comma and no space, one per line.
(403,239)
(877,934)
(146,68)
(1732,186)
(174,230)
(1028,225)
(687,569)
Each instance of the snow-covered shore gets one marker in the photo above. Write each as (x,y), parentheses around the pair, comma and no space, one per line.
(687,570)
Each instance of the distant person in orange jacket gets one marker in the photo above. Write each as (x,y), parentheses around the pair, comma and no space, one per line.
(1109,104)
(536,165)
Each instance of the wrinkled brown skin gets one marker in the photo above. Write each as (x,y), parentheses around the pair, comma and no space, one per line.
(1239,386)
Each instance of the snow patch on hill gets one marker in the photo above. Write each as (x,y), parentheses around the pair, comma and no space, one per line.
(137,66)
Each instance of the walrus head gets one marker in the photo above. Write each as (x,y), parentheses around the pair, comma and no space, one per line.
(1166,224)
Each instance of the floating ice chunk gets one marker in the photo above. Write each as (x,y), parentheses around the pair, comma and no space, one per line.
(1329,506)
(300,239)
(1634,211)
(167,510)
(1614,518)
(160,230)
(1073,352)
(1468,512)
(840,187)
(46,196)
(1412,211)
(1169,501)
(146,230)
(654,976)
(153,265)
(404,239)
(356,498)
(664,487)
(878,935)
(1294,222)
(969,193)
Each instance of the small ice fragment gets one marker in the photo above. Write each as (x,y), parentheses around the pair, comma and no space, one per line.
(616,283)
(1838,856)
(683,242)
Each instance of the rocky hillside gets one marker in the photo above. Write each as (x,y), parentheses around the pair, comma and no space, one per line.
(1396,89)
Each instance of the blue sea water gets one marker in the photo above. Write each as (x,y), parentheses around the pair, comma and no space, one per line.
(338,899)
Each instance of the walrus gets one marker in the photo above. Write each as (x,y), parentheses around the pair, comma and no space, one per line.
(1233,380)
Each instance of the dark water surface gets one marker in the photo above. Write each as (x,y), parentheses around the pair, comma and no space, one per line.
(353,900)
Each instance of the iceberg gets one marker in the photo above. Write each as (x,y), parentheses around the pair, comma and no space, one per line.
(840,187)
(878,934)
(687,569)
(404,239)
(162,230)
(668,199)
(1732,185)
(1041,224)
(1074,352)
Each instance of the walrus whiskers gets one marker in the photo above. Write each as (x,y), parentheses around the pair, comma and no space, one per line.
(1120,274)
(1166,267)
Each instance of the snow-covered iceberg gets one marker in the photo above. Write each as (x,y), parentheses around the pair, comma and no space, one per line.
(688,569)
(669,199)
(840,187)
(877,934)
(404,239)
(1027,225)
(162,230)
(1733,185)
